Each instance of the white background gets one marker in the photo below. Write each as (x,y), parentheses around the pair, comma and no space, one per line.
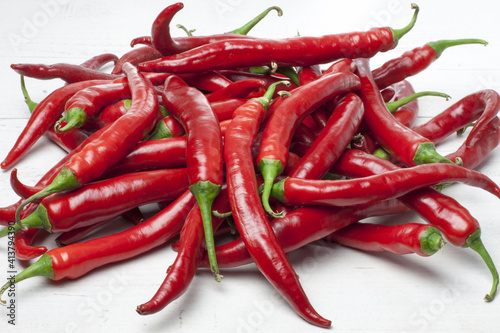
(359,292)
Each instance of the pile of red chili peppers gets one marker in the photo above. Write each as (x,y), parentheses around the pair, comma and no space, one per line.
(281,142)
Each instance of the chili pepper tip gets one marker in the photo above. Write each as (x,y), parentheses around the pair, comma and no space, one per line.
(474,242)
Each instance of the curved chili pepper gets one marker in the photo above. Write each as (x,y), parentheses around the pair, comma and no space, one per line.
(298,192)
(145,40)
(414,61)
(304,226)
(238,89)
(483,105)
(238,75)
(108,115)
(111,145)
(405,144)
(280,127)
(407,238)
(163,42)
(108,198)
(332,140)
(191,249)
(135,57)
(24,249)
(224,109)
(443,212)
(77,259)
(204,148)
(99,60)
(67,72)
(250,218)
(295,51)
(42,118)
(85,103)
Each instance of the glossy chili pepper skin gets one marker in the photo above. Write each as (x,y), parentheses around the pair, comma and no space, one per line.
(135,57)
(409,147)
(332,140)
(107,198)
(291,111)
(304,226)
(86,103)
(67,72)
(42,118)
(204,147)
(108,115)
(297,192)
(400,239)
(99,61)
(407,114)
(482,106)
(414,61)
(191,250)
(238,89)
(294,51)
(23,245)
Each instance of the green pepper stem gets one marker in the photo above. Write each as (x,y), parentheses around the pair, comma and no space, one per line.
(278,191)
(475,243)
(268,95)
(431,241)
(42,267)
(161,132)
(393,106)
(188,32)
(399,33)
(382,153)
(269,169)
(441,45)
(205,193)
(75,117)
(245,29)
(426,153)
(65,180)
(31,105)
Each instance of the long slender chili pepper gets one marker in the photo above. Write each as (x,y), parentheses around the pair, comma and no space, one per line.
(278,132)
(455,222)
(238,75)
(482,106)
(135,57)
(42,118)
(238,89)
(99,60)
(250,218)
(77,259)
(204,149)
(107,198)
(304,226)
(163,42)
(87,102)
(112,144)
(332,140)
(67,141)
(295,51)
(407,238)
(405,144)
(191,250)
(297,191)
(67,72)
(415,61)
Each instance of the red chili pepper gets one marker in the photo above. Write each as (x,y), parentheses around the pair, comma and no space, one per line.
(250,218)
(99,60)
(204,148)
(332,140)
(483,105)
(163,42)
(135,57)
(304,226)
(280,127)
(107,198)
(443,212)
(238,89)
(238,75)
(67,72)
(298,192)
(108,115)
(407,238)
(42,118)
(295,51)
(168,127)
(405,144)
(191,249)
(111,145)
(77,259)
(23,245)
(415,61)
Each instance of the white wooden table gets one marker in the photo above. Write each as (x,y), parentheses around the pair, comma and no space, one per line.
(359,292)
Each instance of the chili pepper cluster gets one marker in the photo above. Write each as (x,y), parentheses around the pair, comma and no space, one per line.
(282,142)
